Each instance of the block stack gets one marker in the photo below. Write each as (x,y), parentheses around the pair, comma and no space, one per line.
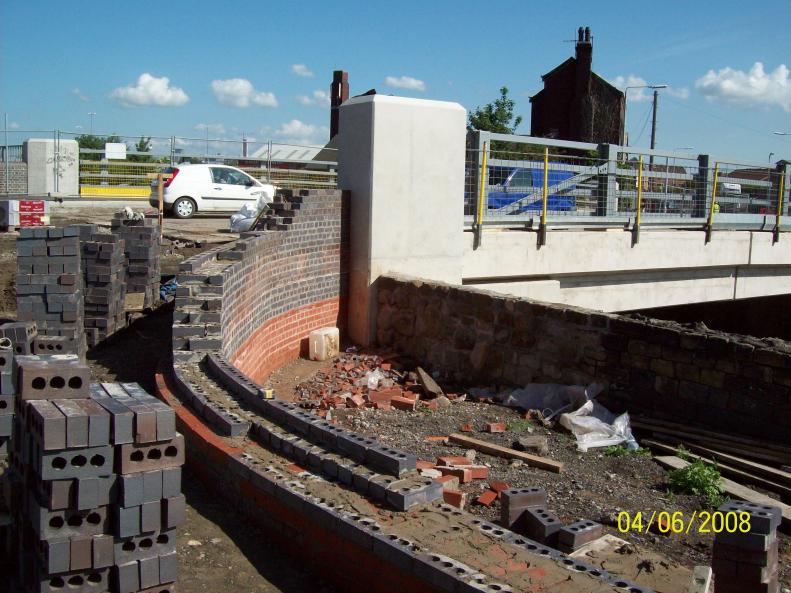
(524,510)
(98,469)
(104,264)
(49,283)
(745,554)
(141,238)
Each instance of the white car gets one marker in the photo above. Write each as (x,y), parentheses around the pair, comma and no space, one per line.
(208,188)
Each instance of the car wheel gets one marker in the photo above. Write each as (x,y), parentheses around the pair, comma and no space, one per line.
(184,208)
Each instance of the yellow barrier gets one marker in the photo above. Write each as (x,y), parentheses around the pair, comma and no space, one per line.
(88,191)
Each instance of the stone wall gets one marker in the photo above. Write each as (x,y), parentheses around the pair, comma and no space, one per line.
(16,181)
(724,382)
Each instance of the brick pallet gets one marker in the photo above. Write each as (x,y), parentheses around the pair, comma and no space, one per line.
(97,471)
(49,283)
(104,266)
(141,239)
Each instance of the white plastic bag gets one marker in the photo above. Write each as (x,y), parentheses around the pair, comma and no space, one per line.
(595,426)
(243,219)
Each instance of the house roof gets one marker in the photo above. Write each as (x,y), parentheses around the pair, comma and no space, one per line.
(558,68)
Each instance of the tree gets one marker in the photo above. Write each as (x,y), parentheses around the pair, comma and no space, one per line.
(142,145)
(94,143)
(496,116)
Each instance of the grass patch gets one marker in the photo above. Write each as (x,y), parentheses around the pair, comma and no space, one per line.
(519,425)
(700,479)
(619,451)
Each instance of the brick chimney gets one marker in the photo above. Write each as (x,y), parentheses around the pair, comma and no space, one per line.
(339,93)
(584,53)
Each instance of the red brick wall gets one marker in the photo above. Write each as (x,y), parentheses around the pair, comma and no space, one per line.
(282,338)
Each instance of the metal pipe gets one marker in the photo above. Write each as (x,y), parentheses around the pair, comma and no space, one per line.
(7,168)
(482,186)
(545,188)
(639,192)
(776,234)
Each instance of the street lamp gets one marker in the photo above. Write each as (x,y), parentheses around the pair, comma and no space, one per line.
(655,87)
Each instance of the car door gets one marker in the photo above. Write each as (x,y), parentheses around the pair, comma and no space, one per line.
(228,189)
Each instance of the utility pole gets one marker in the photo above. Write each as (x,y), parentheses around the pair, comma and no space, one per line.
(653,121)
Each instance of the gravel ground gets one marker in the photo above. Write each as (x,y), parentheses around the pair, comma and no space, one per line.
(592,485)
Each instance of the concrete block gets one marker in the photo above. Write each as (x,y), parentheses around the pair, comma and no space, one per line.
(152,486)
(171,482)
(121,418)
(149,572)
(540,524)
(55,555)
(87,581)
(67,523)
(6,425)
(135,457)
(764,519)
(76,423)
(59,376)
(81,552)
(145,546)
(571,537)
(168,568)
(150,517)
(127,522)
(389,460)
(98,422)
(47,423)
(130,491)
(88,492)
(174,511)
(74,463)
(127,577)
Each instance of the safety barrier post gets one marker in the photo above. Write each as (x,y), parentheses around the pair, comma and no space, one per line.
(713,206)
(481,195)
(542,227)
(636,228)
(776,233)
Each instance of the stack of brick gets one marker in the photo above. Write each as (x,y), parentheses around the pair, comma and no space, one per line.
(745,554)
(141,239)
(49,283)
(104,264)
(76,446)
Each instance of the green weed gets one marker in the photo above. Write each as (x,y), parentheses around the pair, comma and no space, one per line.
(700,479)
(619,451)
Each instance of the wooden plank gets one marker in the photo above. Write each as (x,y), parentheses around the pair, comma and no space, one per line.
(755,452)
(703,433)
(732,488)
(498,451)
(726,470)
(770,473)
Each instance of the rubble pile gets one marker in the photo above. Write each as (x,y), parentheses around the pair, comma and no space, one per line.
(377,381)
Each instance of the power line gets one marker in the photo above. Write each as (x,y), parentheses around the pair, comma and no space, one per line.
(727,121)
(645,123)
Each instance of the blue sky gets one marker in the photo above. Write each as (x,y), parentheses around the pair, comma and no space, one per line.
(264,68)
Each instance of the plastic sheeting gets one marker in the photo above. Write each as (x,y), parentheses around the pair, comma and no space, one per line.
(591,423)
(244,218)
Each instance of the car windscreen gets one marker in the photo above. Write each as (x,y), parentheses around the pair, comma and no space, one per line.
(229,176)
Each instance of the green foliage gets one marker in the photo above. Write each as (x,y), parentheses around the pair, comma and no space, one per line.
(94,143)
(142,145)
(519,425)
(700,479)
(619,451)
(497,117)
(683,453)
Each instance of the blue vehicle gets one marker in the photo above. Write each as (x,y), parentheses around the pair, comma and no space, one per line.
(511,184)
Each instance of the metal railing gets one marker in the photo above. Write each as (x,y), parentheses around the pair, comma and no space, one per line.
(526,182)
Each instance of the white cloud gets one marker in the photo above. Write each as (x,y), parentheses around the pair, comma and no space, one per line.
(756,87)
(302,70)
(405,82)
(645,94)
(239,92)
(150,90)
(215,129)
(80,95)
(298,132)
(320,98)
(13,126)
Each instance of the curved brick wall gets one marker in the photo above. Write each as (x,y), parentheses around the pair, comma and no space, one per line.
(257,299)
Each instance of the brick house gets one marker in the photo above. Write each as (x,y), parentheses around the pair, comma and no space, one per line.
(576,103)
